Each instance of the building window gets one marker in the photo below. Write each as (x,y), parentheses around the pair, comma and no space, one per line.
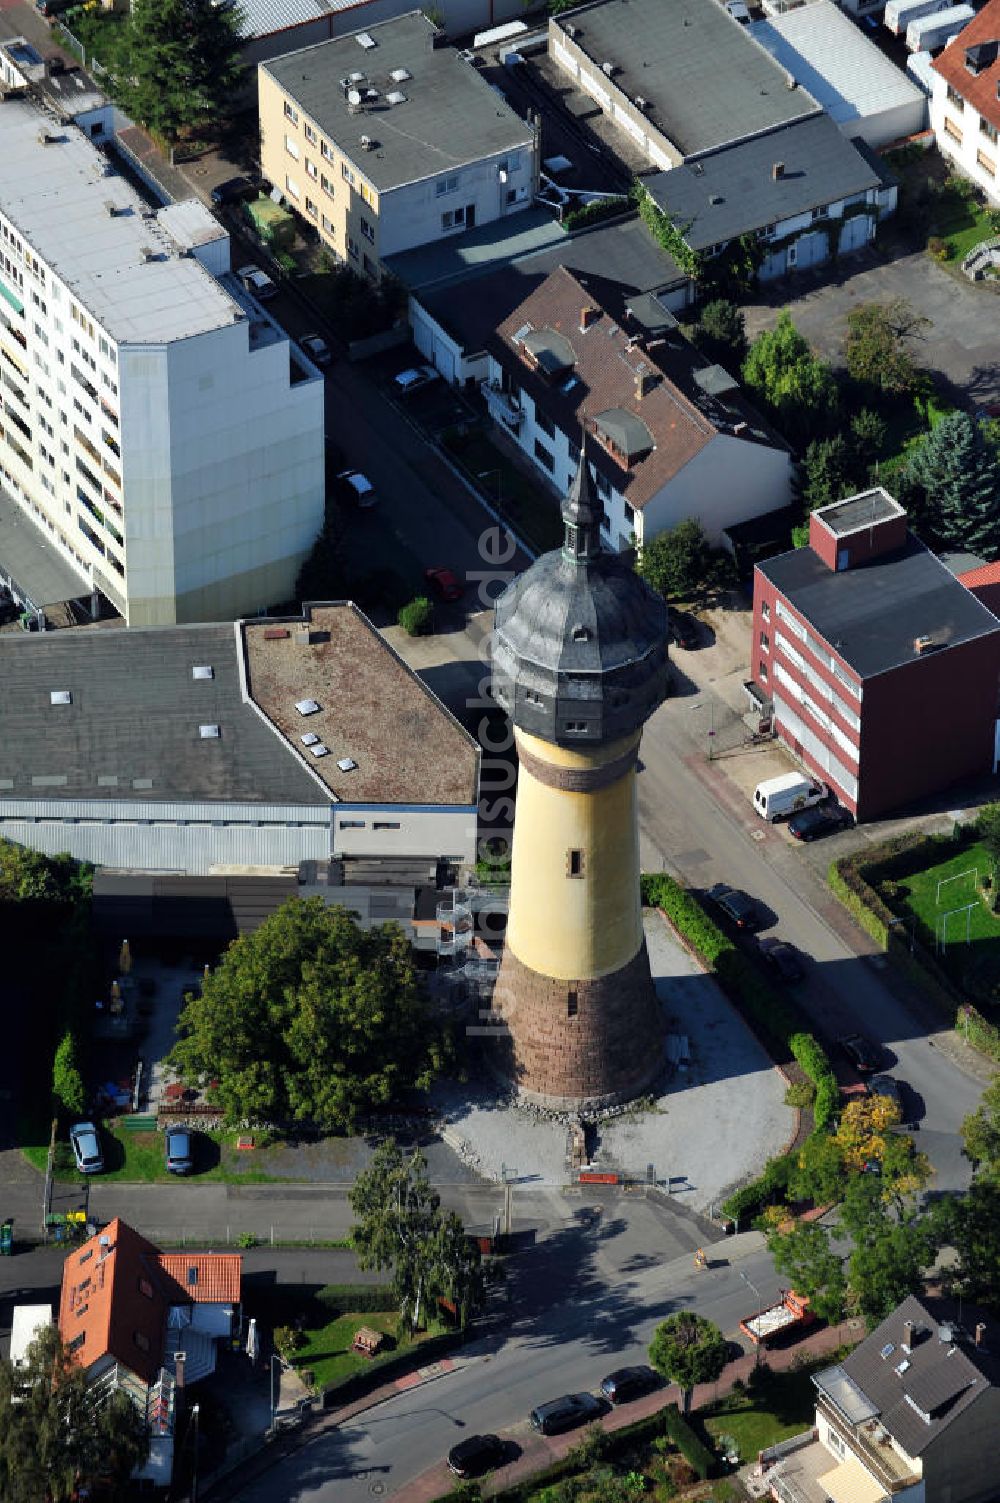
(325,152)
(835,1442)
(603,485)
(952,130)
(574,864)
(762,672)
(629,513)
(368,230)
(988,130)
(986,163)
(544,422)
(765,641)
(574,454)
(327,224)
(326,185)
(572,1003)
(765,611)
(820,212)
(309,133)
(292,188)
(291,113)
(446,185)
(311,169)
(351,824)
(141,1340)
(955,98)
(386,824)
(347,174)
(453,219)
(545,456)
(77,1342)
(352,247)
(311,207)
(292,147)
(369,265)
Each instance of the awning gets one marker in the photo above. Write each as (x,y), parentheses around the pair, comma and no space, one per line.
(850,1483)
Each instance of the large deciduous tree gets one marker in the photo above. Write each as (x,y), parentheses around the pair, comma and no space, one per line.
(688,1349)
(799,389)
(310,1019)
(176,65)
(57,1442)
(67,1081)
(981,1133)
(956,474)
(721,334)
(876,348)
(677,562)
(804,1255)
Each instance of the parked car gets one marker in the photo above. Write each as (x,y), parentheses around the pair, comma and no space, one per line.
(565,1413)
(86,1146)
(414,379)
(357,488)
(683,630)
(476,1455)
(317,349)
(233,190)
(863,1054)
(738,906)
(885,1085)
(628,1383)
(820,820)
(258,282)
(783,958)
(179,1149)
(444,582)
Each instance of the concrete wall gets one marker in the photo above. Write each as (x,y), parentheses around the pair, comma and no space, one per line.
(960,138)
(430,831)
(575,63)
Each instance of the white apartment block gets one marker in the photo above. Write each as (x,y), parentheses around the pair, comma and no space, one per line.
(965,107)
(156,427)
(384,142)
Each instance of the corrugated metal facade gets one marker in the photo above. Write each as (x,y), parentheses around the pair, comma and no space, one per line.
(163,847)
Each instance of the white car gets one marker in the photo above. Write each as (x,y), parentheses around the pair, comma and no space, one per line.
(415,378)
(258,282)
(359,487)
(317,349)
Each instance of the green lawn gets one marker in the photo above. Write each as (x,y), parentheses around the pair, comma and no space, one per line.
(783,1405)
(528,507)
(138,1157)
(976,965)
(328,1353)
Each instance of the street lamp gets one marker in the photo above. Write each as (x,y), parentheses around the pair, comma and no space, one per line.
(760,1305)
(194,1467)
(700,705)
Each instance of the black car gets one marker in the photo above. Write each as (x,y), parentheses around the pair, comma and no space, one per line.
(817,821)
(783,958)
(565,1413)
(232,190)
(628,1383)
(737,906)
(884,1085)
(863,1054)
(683,630)
(476,1455)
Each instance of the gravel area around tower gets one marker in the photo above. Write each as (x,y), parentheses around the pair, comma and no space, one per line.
(719,1113)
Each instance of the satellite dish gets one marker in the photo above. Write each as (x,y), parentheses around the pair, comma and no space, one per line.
(353,97)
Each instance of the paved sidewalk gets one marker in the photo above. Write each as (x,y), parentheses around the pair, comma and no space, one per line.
(538,1451)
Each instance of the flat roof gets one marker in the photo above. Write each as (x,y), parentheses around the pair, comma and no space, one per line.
(872,614)
(29,560)
(855,513)
(373,709)
(733,191)
(56,192)
(705,79)
(449,115)
(842,68)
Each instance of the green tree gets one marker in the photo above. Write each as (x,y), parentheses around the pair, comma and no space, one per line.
(176,64)
(688,1349)
(981,1130)
(819,1174)
(889,1263)
(310,1019)
(454,1267)
(829,471)
(55,1439)
(957,478)
(721,334)
(67,1081)
(988,829)
(677,562)
(970,1224)
(797,387)
(876,348)
(804,1256)
(869,431)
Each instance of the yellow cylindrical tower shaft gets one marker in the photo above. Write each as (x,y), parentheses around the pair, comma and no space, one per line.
(575,908)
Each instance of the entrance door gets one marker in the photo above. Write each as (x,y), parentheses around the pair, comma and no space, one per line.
(470,216)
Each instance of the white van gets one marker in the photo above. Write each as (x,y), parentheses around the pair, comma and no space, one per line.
(777,797)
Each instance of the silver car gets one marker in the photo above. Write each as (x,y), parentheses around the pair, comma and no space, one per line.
(86,1146)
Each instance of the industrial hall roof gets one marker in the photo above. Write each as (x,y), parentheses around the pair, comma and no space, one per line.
(971,63)
(704,80)
(431,111)
(753,184)
(873,613)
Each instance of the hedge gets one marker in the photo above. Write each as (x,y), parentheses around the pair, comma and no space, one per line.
(341,1299)
(690,1447)
(594,211)
(750,1200)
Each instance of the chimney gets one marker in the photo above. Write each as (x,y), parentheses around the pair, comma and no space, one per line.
(907,1342)
(922,644)
(645,380)
(777,171)
(588,316)
(981,1334)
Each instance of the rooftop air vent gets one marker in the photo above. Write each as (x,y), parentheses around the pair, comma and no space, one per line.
(147,253)
(922,644)
(777,171)
(309,739)
(367,144)
(347,764)
(396,97)
(306,706)
(60,697)
(640,103)
(607,69)
(110,209)
(887,1350)
(400,75)
(319,750)
(203,670)
(366,40)
(571,30)
(902,1367)
(716,198)
(209,732)
(356,78)
(45,137)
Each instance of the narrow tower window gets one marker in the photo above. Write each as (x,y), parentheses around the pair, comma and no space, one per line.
(571,1003)
(574,864)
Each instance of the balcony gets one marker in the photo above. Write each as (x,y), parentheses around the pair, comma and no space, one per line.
(502,407)
(866,1442)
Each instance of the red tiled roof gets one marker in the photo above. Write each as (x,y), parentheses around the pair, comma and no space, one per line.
(202,1278)
(981,90)
(986,574)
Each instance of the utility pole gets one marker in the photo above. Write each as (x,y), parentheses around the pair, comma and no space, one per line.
(49,1172)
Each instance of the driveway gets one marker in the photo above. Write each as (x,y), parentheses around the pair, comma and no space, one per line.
(960,345)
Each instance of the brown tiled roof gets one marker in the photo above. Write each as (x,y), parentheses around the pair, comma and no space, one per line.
(980,90)
(202,1278)
(681,418)
(117,1289)
(986,574)
(373,709)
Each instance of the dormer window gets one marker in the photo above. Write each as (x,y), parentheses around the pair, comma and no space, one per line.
(547,352)
(624,435)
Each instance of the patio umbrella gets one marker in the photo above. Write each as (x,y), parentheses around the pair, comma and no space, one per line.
(125,958)
(253,1344)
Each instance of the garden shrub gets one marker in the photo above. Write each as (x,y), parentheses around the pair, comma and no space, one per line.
(355,1299)
(416,617)
(594,212)
(691,1448)
(938,248)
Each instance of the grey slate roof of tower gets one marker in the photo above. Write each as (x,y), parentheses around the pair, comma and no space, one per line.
(579,651)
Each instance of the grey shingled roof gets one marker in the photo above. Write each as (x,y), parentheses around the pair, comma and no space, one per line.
(943,1377)
(872,614)
(135,717)
(450,117)
(705,79)
(733,191)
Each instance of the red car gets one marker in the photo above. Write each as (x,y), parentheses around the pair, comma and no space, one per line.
(445,583)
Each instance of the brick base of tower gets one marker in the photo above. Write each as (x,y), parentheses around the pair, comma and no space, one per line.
(579,1045)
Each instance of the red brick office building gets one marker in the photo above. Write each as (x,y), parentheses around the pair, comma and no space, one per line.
(881,668)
